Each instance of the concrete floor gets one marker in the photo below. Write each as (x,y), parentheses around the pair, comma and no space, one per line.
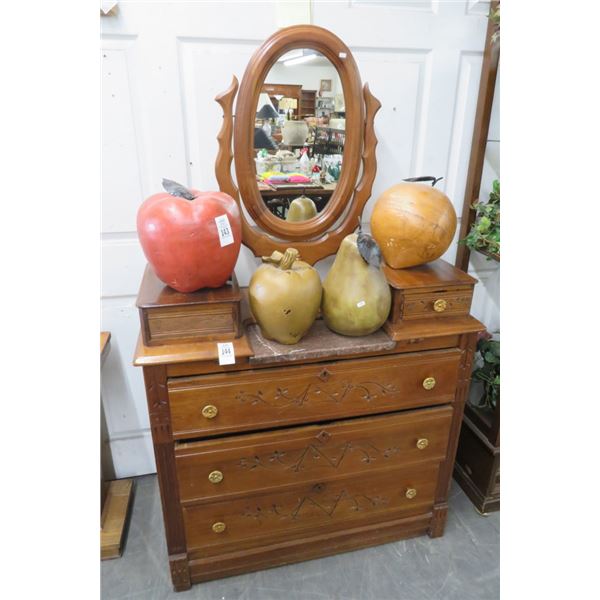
(463,564)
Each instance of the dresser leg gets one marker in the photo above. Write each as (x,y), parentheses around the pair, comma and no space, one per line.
(438,521)
(180,572)
(164,453)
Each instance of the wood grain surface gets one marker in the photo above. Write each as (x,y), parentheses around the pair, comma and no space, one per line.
(299,394)
(187,352)
(263,461)
(309,509)
(437,274)
(171,317)
(298,548)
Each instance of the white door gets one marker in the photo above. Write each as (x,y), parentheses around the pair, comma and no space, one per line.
(162,65)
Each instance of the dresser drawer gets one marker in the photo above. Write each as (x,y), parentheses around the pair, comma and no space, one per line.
(237,401)
(316,507)
(210,470)
(422,305)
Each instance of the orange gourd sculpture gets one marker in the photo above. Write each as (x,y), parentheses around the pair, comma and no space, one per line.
(413,223)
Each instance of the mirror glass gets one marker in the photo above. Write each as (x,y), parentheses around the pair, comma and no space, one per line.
(299,135)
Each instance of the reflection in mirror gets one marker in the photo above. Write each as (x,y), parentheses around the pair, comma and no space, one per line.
(299,135)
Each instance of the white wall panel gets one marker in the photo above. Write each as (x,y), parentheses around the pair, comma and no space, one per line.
(123,263)
(163,65)
(412,5)
(486,298)
(123,391)
(120,152)
(478,8)
(132,453)
(462,126)
(203,77)
(398,78)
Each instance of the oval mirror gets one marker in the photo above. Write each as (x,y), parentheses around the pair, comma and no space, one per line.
(298,133)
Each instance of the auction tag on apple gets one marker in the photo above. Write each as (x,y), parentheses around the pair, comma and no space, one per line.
(224,229)
(226,353)
(360,304)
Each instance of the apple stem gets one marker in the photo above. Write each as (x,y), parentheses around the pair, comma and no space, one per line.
(283,260)
(433,180)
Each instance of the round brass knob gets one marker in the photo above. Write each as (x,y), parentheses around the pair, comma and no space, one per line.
(422,443)
(429,383)
(210,411)
(411,493)
(215,476)
(219,527)
(440,305)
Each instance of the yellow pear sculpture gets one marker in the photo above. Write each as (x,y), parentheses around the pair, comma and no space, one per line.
(356,296)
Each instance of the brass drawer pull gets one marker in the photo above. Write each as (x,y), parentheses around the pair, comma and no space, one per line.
(429,383)
(411,493)
(219,527)
(422,443)
(215,476)
(210,411)
(440,305)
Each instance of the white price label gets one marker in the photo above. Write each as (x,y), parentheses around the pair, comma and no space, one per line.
(226,353)
(224,229)
(360,304)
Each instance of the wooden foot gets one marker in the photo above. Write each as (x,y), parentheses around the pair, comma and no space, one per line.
(438,521)
(180,572)
(114,518)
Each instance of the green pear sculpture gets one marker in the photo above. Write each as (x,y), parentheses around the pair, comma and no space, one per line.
(356,296)
(301,209)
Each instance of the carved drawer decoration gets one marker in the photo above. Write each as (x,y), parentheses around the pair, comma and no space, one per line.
(213,469)
(254,520)
(272,397)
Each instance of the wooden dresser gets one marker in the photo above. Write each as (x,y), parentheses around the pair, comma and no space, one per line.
(296,452)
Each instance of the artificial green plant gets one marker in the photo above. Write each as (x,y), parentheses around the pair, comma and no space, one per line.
(485,231)
(488,371)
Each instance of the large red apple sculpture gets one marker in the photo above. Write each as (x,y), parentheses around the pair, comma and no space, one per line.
(192,239)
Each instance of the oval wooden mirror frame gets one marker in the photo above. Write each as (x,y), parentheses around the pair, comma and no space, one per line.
(314,238)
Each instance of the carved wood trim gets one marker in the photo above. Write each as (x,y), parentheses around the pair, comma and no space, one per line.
(158,404)
(294,461)
(369,159)
(157,396)
(368,391)
(225,153)
(468,343)
(311,251)
(328,506)
(340,56)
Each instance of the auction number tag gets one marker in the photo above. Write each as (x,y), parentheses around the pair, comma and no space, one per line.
(360,304)
(226,353)
(224,229)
